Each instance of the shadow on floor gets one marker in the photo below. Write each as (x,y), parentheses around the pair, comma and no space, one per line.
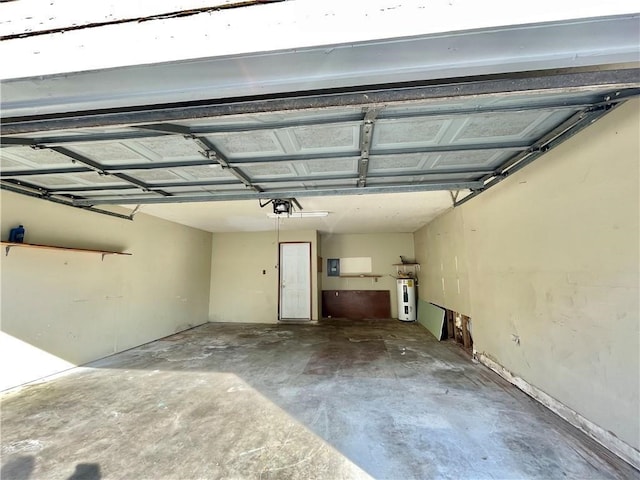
(86,471)
(22,467)
(18,468)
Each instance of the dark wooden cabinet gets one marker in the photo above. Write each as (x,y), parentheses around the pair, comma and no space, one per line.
(356,304)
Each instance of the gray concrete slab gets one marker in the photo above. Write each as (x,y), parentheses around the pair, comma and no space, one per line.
(340,399)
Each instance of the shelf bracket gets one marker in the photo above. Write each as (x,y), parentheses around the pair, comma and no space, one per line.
(6,250)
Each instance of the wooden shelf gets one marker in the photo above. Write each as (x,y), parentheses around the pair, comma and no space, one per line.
(403,266)
(9,245)
(361,275)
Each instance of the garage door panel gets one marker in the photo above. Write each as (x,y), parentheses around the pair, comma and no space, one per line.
(27,157)
(385,163)
(203,172)
(108,153)
(415,131)
(509,126)
(165,148)
(310,139)
(247,144)
(329,165)
(471,159)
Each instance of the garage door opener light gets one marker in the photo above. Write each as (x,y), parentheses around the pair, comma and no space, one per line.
(298,215)
(284,208)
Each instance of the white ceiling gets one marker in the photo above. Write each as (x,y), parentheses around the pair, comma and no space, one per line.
(397,212)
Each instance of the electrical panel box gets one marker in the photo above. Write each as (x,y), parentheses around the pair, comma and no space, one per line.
(333,267)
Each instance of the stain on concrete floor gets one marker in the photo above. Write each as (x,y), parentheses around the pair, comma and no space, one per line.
(339,399)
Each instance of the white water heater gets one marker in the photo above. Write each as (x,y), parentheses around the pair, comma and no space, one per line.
(406,299)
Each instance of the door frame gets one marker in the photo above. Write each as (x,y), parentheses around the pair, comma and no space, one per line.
(310,279)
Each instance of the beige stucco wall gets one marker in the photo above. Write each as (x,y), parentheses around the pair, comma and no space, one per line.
(240,292)
(551,256)
(442,253)
(383,248)
(67,308)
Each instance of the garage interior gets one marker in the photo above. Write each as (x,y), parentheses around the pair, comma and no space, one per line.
(149,328)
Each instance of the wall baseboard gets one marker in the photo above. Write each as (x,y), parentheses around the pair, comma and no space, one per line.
(606,439)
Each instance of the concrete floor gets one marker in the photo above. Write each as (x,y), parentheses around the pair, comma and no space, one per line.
(340,399)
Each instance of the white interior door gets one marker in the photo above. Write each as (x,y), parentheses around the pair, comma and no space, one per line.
(295,281)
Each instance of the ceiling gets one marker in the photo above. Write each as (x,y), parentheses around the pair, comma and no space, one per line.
(383,157)
(377,213)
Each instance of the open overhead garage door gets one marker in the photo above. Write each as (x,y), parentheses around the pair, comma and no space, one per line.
(457,136)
